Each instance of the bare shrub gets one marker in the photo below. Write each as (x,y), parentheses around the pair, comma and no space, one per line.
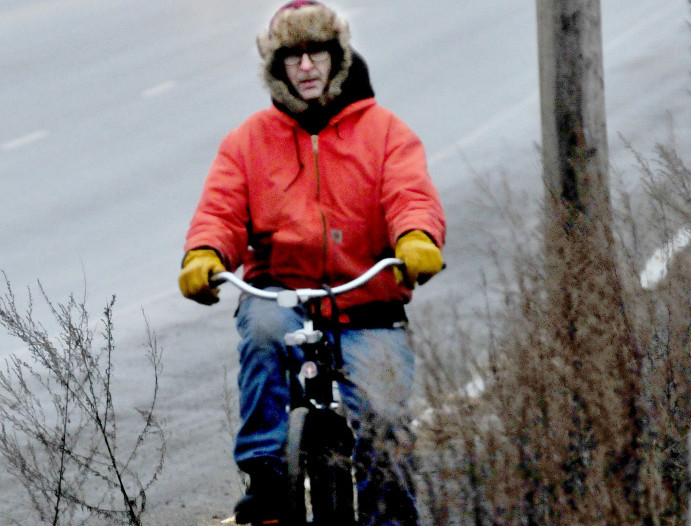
(58,431)
(449,418)
(587,402)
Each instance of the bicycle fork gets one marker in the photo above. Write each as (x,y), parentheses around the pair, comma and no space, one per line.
(316,372)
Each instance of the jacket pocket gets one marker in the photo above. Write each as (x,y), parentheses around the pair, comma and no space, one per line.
(349,248)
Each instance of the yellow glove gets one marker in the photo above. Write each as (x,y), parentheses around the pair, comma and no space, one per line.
(421,257)
(197,267)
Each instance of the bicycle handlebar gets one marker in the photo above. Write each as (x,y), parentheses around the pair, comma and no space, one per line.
(291,298)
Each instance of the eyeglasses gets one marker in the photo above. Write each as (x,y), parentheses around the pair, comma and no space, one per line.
(314,56)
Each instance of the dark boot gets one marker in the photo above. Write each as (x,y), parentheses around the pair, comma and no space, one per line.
(266,497)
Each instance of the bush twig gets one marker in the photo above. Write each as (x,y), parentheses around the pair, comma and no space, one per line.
(66,455)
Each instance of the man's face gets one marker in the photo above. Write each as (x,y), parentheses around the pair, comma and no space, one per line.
(308,69)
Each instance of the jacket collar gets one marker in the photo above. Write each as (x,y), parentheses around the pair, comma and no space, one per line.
(349,110)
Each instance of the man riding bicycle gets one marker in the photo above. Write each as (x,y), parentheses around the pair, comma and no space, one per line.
(313,191)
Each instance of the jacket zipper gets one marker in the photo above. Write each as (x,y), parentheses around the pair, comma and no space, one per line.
(315,151)
(325,240)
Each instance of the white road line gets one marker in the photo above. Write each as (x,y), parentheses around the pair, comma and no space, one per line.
(158,89)
(633,31)
(488,126)
(20,142)
(656,267)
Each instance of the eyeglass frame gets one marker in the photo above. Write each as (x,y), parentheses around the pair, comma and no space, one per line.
(316,57)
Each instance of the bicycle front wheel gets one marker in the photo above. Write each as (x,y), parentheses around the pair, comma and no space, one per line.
(332,489)
(318,451)
(296,463)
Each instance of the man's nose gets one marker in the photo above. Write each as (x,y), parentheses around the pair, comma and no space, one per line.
(305,62)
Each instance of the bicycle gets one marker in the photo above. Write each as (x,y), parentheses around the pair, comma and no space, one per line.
(320,442)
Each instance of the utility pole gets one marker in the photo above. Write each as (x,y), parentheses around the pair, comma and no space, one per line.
(574,131)
(588,323)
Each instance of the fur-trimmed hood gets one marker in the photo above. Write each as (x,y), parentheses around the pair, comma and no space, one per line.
(296,23)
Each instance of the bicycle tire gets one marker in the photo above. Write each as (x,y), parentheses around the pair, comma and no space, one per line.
(326,459)
(295,457)
(330,468)
(332,489)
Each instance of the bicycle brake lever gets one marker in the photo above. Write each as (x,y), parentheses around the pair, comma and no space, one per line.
(214,282)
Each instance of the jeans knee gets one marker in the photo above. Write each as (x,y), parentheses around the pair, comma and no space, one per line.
(265,320)
(266,332)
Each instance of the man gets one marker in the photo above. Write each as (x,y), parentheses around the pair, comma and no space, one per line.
(311,191)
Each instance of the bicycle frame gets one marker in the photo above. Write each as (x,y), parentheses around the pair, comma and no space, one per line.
(315,407)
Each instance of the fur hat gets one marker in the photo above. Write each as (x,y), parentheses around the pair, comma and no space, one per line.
(299,22)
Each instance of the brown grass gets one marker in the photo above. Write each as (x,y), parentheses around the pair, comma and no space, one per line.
(586,411)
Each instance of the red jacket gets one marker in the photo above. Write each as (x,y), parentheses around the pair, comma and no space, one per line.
(310,210)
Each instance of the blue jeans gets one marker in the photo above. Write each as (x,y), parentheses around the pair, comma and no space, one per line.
(380,365)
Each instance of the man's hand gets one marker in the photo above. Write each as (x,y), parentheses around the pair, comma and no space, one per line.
(421,257)
(197,267)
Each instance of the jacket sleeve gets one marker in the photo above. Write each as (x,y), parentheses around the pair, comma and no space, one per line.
(409,198)
(221,218)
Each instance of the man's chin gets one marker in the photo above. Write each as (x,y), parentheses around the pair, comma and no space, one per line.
(310,94)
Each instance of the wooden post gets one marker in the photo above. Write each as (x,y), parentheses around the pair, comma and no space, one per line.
(589,327)
(574,131)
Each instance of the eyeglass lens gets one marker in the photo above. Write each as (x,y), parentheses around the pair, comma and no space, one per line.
(294,59)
